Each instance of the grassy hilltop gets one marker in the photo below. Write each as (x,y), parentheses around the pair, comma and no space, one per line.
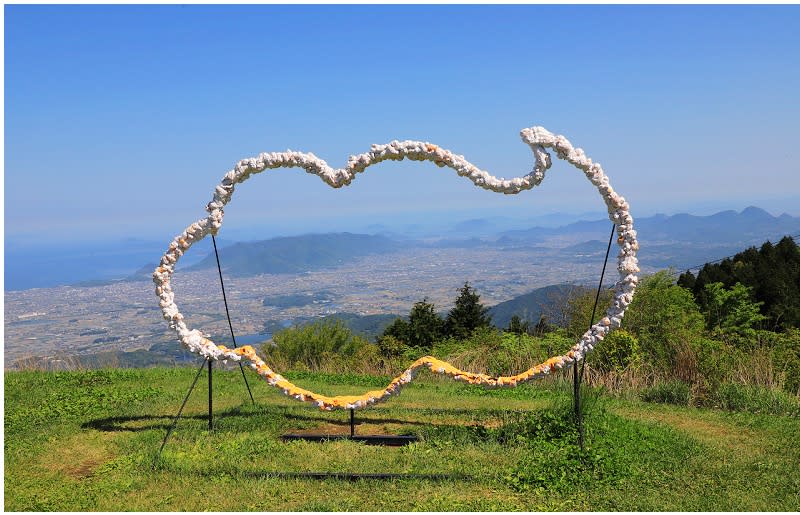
(86,440)
(694,405)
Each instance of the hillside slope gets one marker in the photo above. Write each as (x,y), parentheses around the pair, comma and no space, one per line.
(294,254)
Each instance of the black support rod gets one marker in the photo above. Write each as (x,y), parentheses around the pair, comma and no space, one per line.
(180,411)
(576,393)
(352,423)
(600,286)
(230,325)
(210,397)
(577,378)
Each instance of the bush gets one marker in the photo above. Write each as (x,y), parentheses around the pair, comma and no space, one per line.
(325,343)
(667,322)
(554,461)
(670,392)
(390,346)
(618,351)
(496,353)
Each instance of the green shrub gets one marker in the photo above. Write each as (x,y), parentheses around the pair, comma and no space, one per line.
(618,351)
(554,460)
(667,322)
(312,346)
(497,353)
(390,346)
(669,392)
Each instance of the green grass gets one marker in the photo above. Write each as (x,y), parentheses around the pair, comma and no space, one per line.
(79,441)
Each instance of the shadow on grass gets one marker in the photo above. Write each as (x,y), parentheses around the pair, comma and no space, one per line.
(139,423)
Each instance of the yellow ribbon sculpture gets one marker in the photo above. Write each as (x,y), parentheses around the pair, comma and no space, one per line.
(537,138)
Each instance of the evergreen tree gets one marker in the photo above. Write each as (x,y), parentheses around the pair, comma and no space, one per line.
(398,330)
(517,326)
(467,315)
(542,327)
(771,272)
(425,326)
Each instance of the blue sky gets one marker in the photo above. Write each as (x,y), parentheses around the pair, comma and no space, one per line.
(119,120)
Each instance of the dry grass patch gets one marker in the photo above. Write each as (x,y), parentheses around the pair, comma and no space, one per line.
(79,455)
(717,434)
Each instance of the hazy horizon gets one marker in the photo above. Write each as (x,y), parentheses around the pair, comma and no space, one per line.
(37,263)
(419,223)
(120,120)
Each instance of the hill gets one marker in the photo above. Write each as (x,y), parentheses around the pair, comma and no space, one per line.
(368,326)
(548,301)
(680,240)
(531,306)
(295,254)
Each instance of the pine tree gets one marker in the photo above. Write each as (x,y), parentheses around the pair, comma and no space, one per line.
(772,272)
(425,326)
(422,329)
(467,315)
(517,326)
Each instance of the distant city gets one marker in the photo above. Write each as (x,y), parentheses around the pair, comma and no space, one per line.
(383,273)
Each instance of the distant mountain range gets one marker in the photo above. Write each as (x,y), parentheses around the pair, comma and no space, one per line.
(678,241)
(752,224)
(681,241)
(294,254)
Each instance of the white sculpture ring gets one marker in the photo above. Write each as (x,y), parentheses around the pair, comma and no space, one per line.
(537,138)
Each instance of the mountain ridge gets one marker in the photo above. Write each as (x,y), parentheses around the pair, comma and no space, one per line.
(677,240)
(296,254)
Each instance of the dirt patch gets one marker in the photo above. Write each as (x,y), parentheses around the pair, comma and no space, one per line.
(83,469)
(78,456)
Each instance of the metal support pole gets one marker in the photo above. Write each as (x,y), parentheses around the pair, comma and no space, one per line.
(577,378)
(600,286)
(210,406)
(228,314)
(352,423)
(180,411)
(576,386)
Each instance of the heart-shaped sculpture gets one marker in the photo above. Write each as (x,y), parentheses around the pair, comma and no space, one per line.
(537,138)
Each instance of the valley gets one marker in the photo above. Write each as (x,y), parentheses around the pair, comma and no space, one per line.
(273,283)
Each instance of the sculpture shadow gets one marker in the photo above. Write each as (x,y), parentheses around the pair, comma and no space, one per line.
(140,423)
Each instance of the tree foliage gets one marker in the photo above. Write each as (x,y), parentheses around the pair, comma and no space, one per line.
(665,318)
(619,350)
(468,314)
(732,310)
(518,326)
(579,307)
(771,272)
(423,327)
